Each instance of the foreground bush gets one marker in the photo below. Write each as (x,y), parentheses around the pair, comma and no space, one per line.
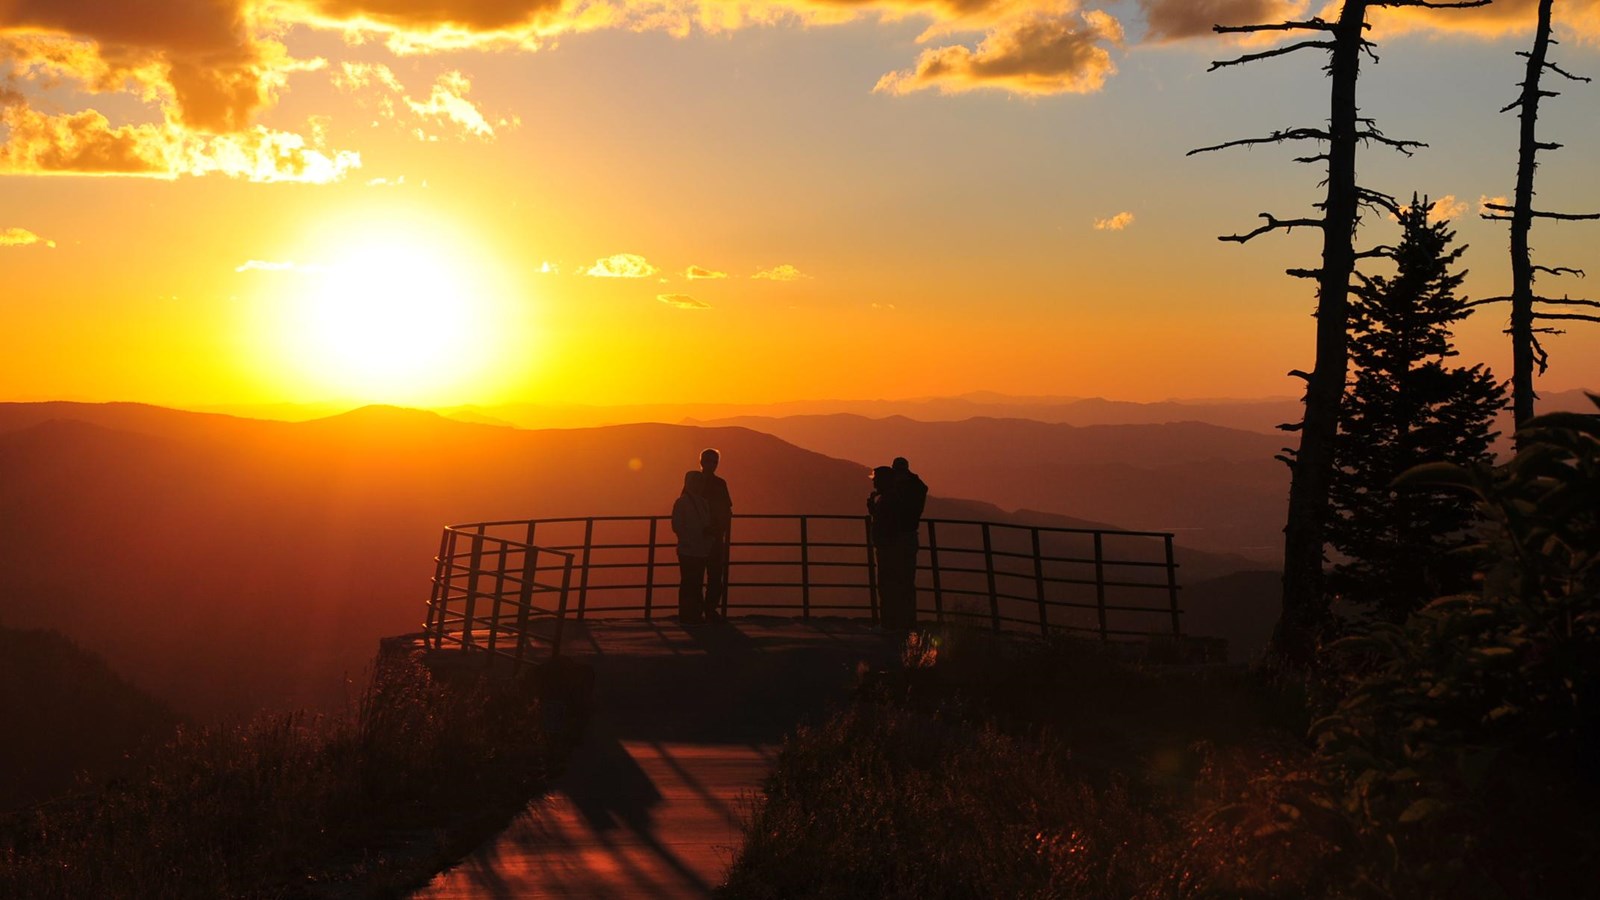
(290,802)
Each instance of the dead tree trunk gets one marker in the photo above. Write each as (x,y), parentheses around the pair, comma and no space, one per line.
(1304,603)
(1526,353)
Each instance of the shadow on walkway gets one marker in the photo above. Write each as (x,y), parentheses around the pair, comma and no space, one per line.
(686,724)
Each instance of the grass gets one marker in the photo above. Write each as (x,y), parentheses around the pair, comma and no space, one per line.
(989,767)
(290,805)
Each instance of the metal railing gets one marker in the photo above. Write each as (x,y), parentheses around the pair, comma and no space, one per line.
(496,590)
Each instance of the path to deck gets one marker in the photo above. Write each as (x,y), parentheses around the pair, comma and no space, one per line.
(686,723)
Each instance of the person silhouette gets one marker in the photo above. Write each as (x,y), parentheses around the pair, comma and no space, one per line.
(691,522)
(716,493)
(895,507)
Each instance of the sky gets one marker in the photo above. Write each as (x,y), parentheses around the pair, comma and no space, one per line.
(443,202)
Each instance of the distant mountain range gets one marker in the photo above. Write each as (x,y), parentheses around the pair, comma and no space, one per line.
(226,564)
(1218,488)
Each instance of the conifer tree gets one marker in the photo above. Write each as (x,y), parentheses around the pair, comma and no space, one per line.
(1407,406)
(1305,600)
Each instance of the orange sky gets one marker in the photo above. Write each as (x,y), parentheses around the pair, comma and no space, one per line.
(256,201)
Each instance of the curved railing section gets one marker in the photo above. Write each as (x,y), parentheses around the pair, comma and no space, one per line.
(509,588)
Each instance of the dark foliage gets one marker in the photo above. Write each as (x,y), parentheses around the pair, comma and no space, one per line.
(1408,406)
(290,805)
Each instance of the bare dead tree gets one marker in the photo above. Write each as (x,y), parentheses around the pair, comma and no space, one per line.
(1526,352)
(1344,40)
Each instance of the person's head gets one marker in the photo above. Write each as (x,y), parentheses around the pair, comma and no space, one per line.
(882,477)
(709,459)
(901,467)
(693,482)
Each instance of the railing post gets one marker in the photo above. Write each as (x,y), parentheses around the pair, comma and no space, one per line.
(872,574)
(1172,588)
(933,563)
(437,588)
(1038,585)
(1100,584)
(530,571)
(561,607)
(650,569)
(805,571)
(727,567)
(988,568)
(499,597)
(583,577)
(473,566)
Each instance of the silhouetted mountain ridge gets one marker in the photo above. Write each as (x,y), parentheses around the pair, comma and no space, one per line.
(229,564)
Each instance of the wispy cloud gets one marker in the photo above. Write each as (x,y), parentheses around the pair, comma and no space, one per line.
(1483,204)
(446,111)
(1114,223)
(699,273)
(682,301)
(549,268)
(22,237)
(784,272)
(622,265)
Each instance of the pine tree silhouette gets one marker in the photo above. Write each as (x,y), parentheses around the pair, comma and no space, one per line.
(1407,406)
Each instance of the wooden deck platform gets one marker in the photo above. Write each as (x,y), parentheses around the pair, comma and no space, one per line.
(686,723)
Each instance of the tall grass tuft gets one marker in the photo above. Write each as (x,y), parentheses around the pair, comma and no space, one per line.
(293,804)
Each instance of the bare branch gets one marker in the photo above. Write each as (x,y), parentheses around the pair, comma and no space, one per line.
(1538,213)
(1277,137)
(1303,273)
(1268,54)
(1485,301)
(1568,301)
(1564,73)
(1382,250)
(1577,316)
(1312,24)
(1273,224)
(1374,135)
(1432,4)
(1560,270)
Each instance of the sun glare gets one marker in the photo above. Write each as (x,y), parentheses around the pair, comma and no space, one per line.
(400,318)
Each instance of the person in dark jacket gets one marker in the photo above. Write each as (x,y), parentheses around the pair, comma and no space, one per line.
(691,522)
(716,492)
(895,508)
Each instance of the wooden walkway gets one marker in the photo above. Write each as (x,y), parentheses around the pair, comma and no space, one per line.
(686,723)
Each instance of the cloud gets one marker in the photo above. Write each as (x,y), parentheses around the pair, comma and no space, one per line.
(201,69)
(622,265)
(1444,208)
(445,108)
(698,273)
(1580,18)
(1115,223)
(1175,20)
(87,143)
(1033,52)
(682,301)
(784,272)
(1172,20)
(386,182)
(549,268)
(1483,204)
(22,237)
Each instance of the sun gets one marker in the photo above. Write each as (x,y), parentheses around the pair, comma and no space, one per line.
(401,316)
